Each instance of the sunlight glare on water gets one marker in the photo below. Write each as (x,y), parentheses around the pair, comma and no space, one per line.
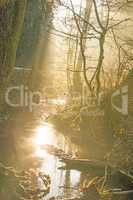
(40,153)
(44,135)
(47,134)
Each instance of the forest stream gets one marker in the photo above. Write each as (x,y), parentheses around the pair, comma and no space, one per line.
(64,183)
(66,100)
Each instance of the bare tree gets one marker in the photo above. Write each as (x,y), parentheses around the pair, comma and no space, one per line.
(77,83)
(97,29)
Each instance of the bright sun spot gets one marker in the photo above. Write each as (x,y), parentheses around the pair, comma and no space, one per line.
(44,135)
(40,153)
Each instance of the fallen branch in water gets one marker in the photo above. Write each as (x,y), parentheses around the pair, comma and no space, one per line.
(116,192)
(122,192)
(57,152)
(99,168)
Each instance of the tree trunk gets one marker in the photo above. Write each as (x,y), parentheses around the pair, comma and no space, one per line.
(5,2)
(77,75)
(10,32)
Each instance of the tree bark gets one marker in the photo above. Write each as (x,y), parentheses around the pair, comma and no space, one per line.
(5,2)
(8,48)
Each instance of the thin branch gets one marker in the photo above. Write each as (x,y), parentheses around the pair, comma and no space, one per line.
(97,15)
(75,17)
(81,70)
(92,36)
(117,24)
(81,47)
(80,17)
(108,16)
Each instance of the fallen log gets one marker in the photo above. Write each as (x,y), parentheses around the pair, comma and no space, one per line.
(122,192)
(128,194)
(83,162)
(93,166)
(70,160)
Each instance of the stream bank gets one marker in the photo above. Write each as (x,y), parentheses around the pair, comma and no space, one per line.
(24,140)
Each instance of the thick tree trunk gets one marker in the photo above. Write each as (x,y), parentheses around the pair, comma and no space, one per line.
(10,32)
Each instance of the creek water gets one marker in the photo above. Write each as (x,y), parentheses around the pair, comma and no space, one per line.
(63,183)
(29,136)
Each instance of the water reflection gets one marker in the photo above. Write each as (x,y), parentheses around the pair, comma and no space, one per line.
(44,135)
(62,181)
(40,153)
